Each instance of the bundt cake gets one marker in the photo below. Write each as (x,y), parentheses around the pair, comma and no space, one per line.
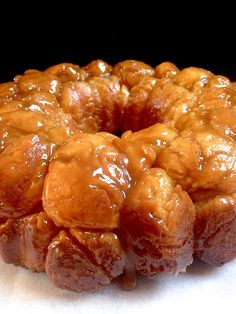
(107,172)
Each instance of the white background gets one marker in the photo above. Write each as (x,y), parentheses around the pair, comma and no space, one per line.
(203,289)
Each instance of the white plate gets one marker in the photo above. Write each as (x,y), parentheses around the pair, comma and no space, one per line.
(203,289)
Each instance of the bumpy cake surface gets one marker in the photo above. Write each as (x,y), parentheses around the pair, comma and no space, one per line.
(106,172)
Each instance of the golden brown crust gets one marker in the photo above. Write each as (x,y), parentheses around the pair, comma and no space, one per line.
(24,241)
(67,72)
(86,262)
(131,72)
(215,229)
(156,224)
(7,93)
(98,68)
(36,81)
(23,166)
(96,104)
(166,69)
(93,195)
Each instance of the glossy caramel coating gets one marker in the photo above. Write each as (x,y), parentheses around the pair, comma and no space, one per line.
(166,103)
(21,118)
(94,194)
(168,98)
(166,69)
(192,77)
(200,161)
(138,98)
(23,166)
(131,72)
(96,104)
(153,101)
(98,68)
(84,260)
(67,72)
(88,206)
(7,92)
(143,147)
(157,224)
(40,102)
(7,134)
(215,229)
(36,81)
(24,241)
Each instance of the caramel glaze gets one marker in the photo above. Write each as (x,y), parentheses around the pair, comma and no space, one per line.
(87,206)
(24,241)
(83,260)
